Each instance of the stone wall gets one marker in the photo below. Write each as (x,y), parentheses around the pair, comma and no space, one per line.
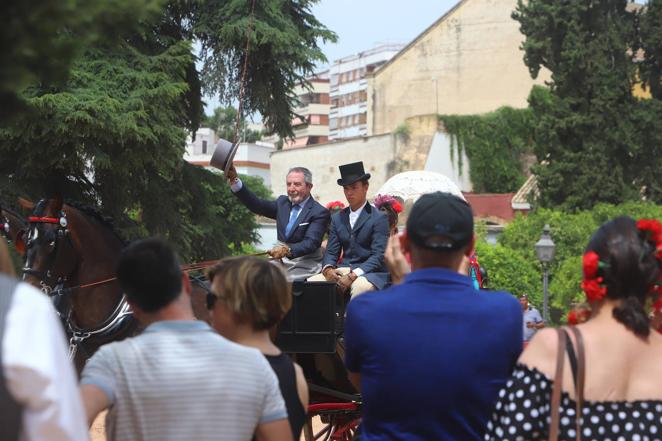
(376,152)
(422,146)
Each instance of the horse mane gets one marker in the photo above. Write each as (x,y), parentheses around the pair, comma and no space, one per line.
(94,213)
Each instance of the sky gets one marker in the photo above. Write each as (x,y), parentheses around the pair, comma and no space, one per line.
(363,24)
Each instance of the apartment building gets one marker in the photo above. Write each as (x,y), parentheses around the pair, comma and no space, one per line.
(313,126)
(349,90)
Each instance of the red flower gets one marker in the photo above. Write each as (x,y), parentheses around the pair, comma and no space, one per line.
(594,289)
(397,207)
(652,226)
(335,205)
(577,316)
(653,230)
(572,318)
(591,264)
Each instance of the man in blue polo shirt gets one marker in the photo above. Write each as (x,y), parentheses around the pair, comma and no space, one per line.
(431,354)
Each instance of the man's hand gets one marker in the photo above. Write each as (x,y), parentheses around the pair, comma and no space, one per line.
(331,274)
(530,325)
(279,251)
(395,260)
(345,282)
(231,175)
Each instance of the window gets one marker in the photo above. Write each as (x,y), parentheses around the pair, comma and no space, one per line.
(204,147)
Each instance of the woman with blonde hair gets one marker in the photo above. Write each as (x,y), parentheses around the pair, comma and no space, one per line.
(613,361)
(249,297)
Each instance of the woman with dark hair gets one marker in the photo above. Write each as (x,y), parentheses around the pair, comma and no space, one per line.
(251,296)
(391,207)
(616,384)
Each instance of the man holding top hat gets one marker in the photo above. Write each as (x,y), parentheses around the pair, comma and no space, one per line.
(301,221)
(359,233)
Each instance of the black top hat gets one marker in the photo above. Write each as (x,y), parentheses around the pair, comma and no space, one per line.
(350,173)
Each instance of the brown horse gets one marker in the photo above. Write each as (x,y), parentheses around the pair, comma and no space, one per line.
(66,253)
(71,253)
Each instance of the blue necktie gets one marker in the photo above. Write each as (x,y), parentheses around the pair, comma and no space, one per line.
(294,213)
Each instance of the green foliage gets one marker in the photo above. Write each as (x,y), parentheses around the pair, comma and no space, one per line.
(564,289)
(650,68)
(495,144)
(112,135)
(594,139)
(224,122)
(402,132)
(284,51)
(570,232)
(511,271)
(40,39)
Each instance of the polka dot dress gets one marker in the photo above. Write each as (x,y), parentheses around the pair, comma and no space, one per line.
(522,413)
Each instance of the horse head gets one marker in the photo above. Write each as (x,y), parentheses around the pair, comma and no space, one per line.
(50,253)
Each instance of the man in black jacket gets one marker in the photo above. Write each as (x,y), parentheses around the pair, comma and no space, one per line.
(300,221)
(354,256)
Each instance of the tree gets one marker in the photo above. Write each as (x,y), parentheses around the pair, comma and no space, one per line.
(36,42)
(113,134)
(284,52)
(514,263)
(224,121)
(586,139)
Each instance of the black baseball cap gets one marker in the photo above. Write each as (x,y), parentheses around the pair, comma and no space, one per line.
(440,221)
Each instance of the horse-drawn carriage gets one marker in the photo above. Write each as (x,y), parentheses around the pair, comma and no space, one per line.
(313,332)
(70,252)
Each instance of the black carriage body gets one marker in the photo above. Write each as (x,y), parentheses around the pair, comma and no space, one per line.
(315,320)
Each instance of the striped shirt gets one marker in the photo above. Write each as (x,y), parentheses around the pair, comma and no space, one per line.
(179,380)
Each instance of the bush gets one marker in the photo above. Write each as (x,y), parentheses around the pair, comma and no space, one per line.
(513,266)
(509,270)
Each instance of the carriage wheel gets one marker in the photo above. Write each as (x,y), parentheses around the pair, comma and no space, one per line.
(340,422)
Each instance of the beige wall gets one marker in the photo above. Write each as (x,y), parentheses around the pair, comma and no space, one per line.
(468,62)
(376,152)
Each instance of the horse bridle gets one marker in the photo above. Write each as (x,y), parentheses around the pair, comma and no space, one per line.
(46,275)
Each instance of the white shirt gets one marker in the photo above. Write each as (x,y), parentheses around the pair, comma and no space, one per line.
(38,372)
(354,215)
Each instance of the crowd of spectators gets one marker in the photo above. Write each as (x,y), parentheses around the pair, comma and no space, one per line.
(433,357)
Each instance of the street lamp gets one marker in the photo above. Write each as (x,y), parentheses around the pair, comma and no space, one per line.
(545,251)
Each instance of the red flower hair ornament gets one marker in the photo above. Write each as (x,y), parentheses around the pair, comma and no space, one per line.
(382,200)
(335,205)
(593,284)
(652,228)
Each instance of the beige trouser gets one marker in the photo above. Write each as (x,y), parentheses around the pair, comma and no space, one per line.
(359,286)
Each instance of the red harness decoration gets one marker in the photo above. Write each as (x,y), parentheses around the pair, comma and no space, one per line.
(44,220)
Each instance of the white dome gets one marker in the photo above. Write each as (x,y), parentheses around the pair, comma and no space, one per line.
(412,184)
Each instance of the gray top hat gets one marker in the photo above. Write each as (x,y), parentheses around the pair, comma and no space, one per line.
(223,155)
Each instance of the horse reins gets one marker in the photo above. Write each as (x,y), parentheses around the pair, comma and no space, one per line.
(185,268)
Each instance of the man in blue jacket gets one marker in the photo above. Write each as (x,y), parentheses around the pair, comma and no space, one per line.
(300,221)
(430,355)
(354,256)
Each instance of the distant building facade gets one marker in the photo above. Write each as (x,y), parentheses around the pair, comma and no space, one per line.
(349,90)
(313,126)
(468,62)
